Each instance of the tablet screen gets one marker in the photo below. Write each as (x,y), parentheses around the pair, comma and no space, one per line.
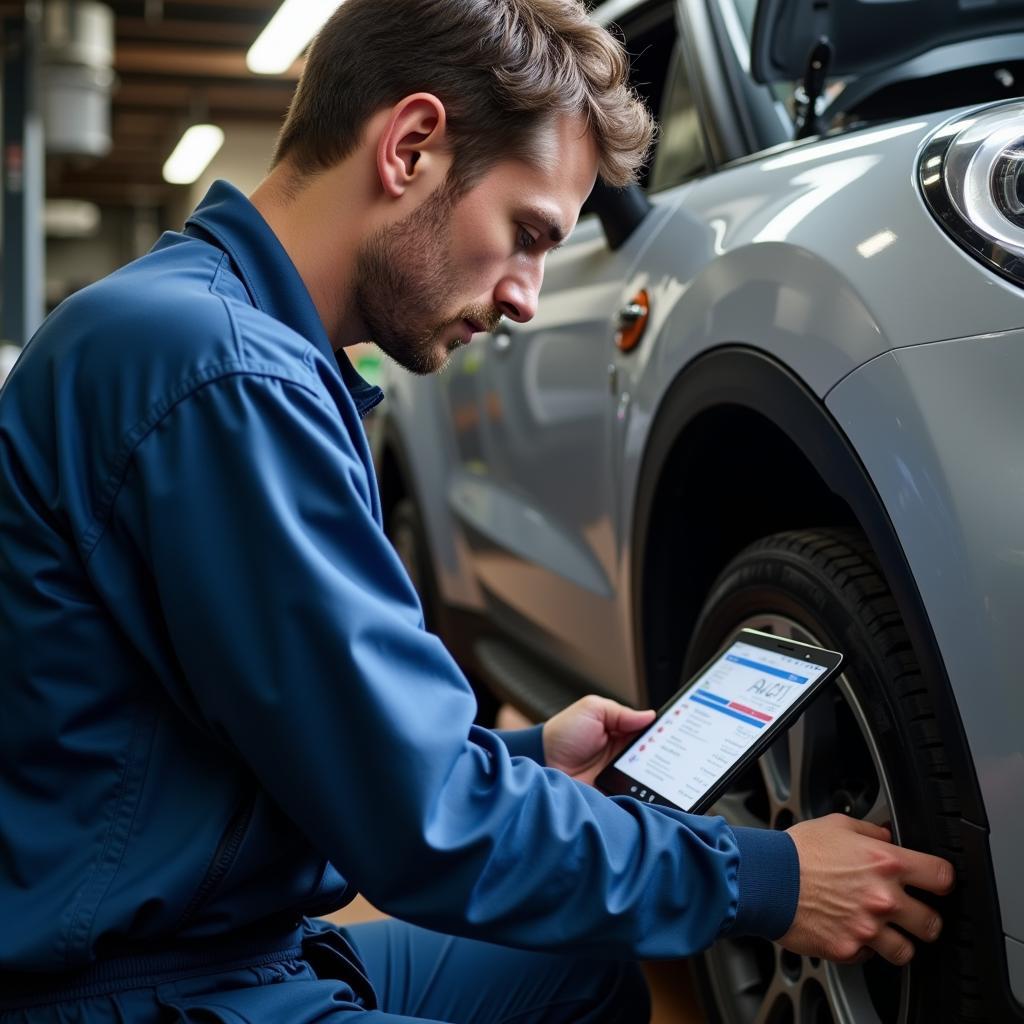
(712,723)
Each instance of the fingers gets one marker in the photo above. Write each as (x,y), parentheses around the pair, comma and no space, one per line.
(917,919)
(620,719)
(854,891)
(913,917)
(870,829)
(923,871)
(894,947)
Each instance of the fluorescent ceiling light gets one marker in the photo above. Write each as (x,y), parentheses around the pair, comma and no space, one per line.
(290,29)
(193,153)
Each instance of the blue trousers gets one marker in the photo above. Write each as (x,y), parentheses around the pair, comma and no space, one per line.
(418,976)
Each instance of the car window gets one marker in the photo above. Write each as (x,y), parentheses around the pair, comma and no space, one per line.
(649,35)
(680,154)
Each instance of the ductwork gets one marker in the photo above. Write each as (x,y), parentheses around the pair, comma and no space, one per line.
(78,76)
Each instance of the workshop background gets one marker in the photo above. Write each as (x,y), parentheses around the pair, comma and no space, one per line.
(117,118)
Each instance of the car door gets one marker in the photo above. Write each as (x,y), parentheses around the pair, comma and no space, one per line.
(536,412)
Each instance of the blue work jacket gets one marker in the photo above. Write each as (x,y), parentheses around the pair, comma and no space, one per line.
(218,702)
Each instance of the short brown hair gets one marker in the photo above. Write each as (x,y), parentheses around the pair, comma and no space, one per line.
(502,68)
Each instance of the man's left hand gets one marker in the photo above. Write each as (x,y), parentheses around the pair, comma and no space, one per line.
(584,737)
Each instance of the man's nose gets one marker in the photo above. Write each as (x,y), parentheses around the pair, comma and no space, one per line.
(516,294)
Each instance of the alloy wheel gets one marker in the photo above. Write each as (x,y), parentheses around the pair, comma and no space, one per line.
(827,761)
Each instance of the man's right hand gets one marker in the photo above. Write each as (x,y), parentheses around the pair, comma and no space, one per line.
(852,892)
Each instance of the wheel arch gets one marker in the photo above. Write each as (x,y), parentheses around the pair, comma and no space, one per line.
(736,429)
(749,388)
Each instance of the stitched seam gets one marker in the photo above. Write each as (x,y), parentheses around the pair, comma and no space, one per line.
(224,267)
(151,720)
(240,266)
(67,941)
(236,334)
(439,964)
(162,409)
(215,280)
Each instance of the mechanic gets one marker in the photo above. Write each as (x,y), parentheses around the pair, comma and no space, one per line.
(222,715)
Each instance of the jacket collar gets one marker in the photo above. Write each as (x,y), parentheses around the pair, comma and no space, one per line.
(228,220)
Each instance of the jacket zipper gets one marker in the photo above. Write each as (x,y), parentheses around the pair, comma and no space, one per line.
(223,858)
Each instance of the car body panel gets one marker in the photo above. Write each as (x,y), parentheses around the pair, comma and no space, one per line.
(821,248)
(939,428)
(1015,962)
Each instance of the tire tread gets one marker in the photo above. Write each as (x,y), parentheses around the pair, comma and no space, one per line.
(843,561)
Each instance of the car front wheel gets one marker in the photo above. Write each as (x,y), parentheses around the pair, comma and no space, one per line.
(868,746)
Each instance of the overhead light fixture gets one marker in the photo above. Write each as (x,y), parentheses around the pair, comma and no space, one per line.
(193,153)
(286,36)
(71,218)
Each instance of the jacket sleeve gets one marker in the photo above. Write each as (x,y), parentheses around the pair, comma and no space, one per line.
(524,742)
(300,639)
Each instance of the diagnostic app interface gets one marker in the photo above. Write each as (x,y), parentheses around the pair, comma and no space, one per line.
(709,728)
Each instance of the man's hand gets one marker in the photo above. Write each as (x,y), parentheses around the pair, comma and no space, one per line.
(584,737)
(852,892)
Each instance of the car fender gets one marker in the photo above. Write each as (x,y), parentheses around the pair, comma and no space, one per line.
(939,429)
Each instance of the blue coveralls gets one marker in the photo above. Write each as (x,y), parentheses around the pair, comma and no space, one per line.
(220,714)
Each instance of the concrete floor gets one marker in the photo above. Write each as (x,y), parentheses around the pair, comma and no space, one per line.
(671,991)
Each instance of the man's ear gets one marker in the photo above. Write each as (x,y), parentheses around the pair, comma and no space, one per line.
(413,145)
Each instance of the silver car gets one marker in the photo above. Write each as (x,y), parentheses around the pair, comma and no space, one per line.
(781,387)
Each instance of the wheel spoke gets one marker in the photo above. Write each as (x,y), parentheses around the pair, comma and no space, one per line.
(766,1012)
(745,978)
(775,770)
(796,740)
(880,813)
(733,807)
(848,993)
(812,754)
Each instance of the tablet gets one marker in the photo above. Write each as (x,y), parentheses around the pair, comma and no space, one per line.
(720,721)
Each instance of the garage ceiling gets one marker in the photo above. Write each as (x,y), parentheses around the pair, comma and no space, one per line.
(177,61)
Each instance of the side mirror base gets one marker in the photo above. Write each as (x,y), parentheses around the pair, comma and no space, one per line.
(620,210)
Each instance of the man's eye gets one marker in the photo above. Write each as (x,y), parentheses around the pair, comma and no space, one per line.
(526,240)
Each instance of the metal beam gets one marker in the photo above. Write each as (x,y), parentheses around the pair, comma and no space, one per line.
(22,249)
(196,33)
(191,62)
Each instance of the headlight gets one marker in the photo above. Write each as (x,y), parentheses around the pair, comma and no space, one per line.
(972,175)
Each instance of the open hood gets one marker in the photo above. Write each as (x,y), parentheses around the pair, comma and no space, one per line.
(868,35)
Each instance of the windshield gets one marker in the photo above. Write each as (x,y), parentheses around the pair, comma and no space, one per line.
(956,73)
(741,14)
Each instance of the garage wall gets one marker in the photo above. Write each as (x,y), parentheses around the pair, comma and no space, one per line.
(243,160)
(126,233)
(72,263)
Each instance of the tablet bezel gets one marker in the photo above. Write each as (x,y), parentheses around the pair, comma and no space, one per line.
(614,782)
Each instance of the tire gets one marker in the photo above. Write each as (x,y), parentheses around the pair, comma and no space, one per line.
(408,536)
(868,746)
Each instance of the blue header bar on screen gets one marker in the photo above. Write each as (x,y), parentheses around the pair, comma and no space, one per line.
(770,670)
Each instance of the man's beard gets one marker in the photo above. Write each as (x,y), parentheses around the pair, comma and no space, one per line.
(402,276)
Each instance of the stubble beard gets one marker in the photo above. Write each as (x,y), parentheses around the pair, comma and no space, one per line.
(404,269)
